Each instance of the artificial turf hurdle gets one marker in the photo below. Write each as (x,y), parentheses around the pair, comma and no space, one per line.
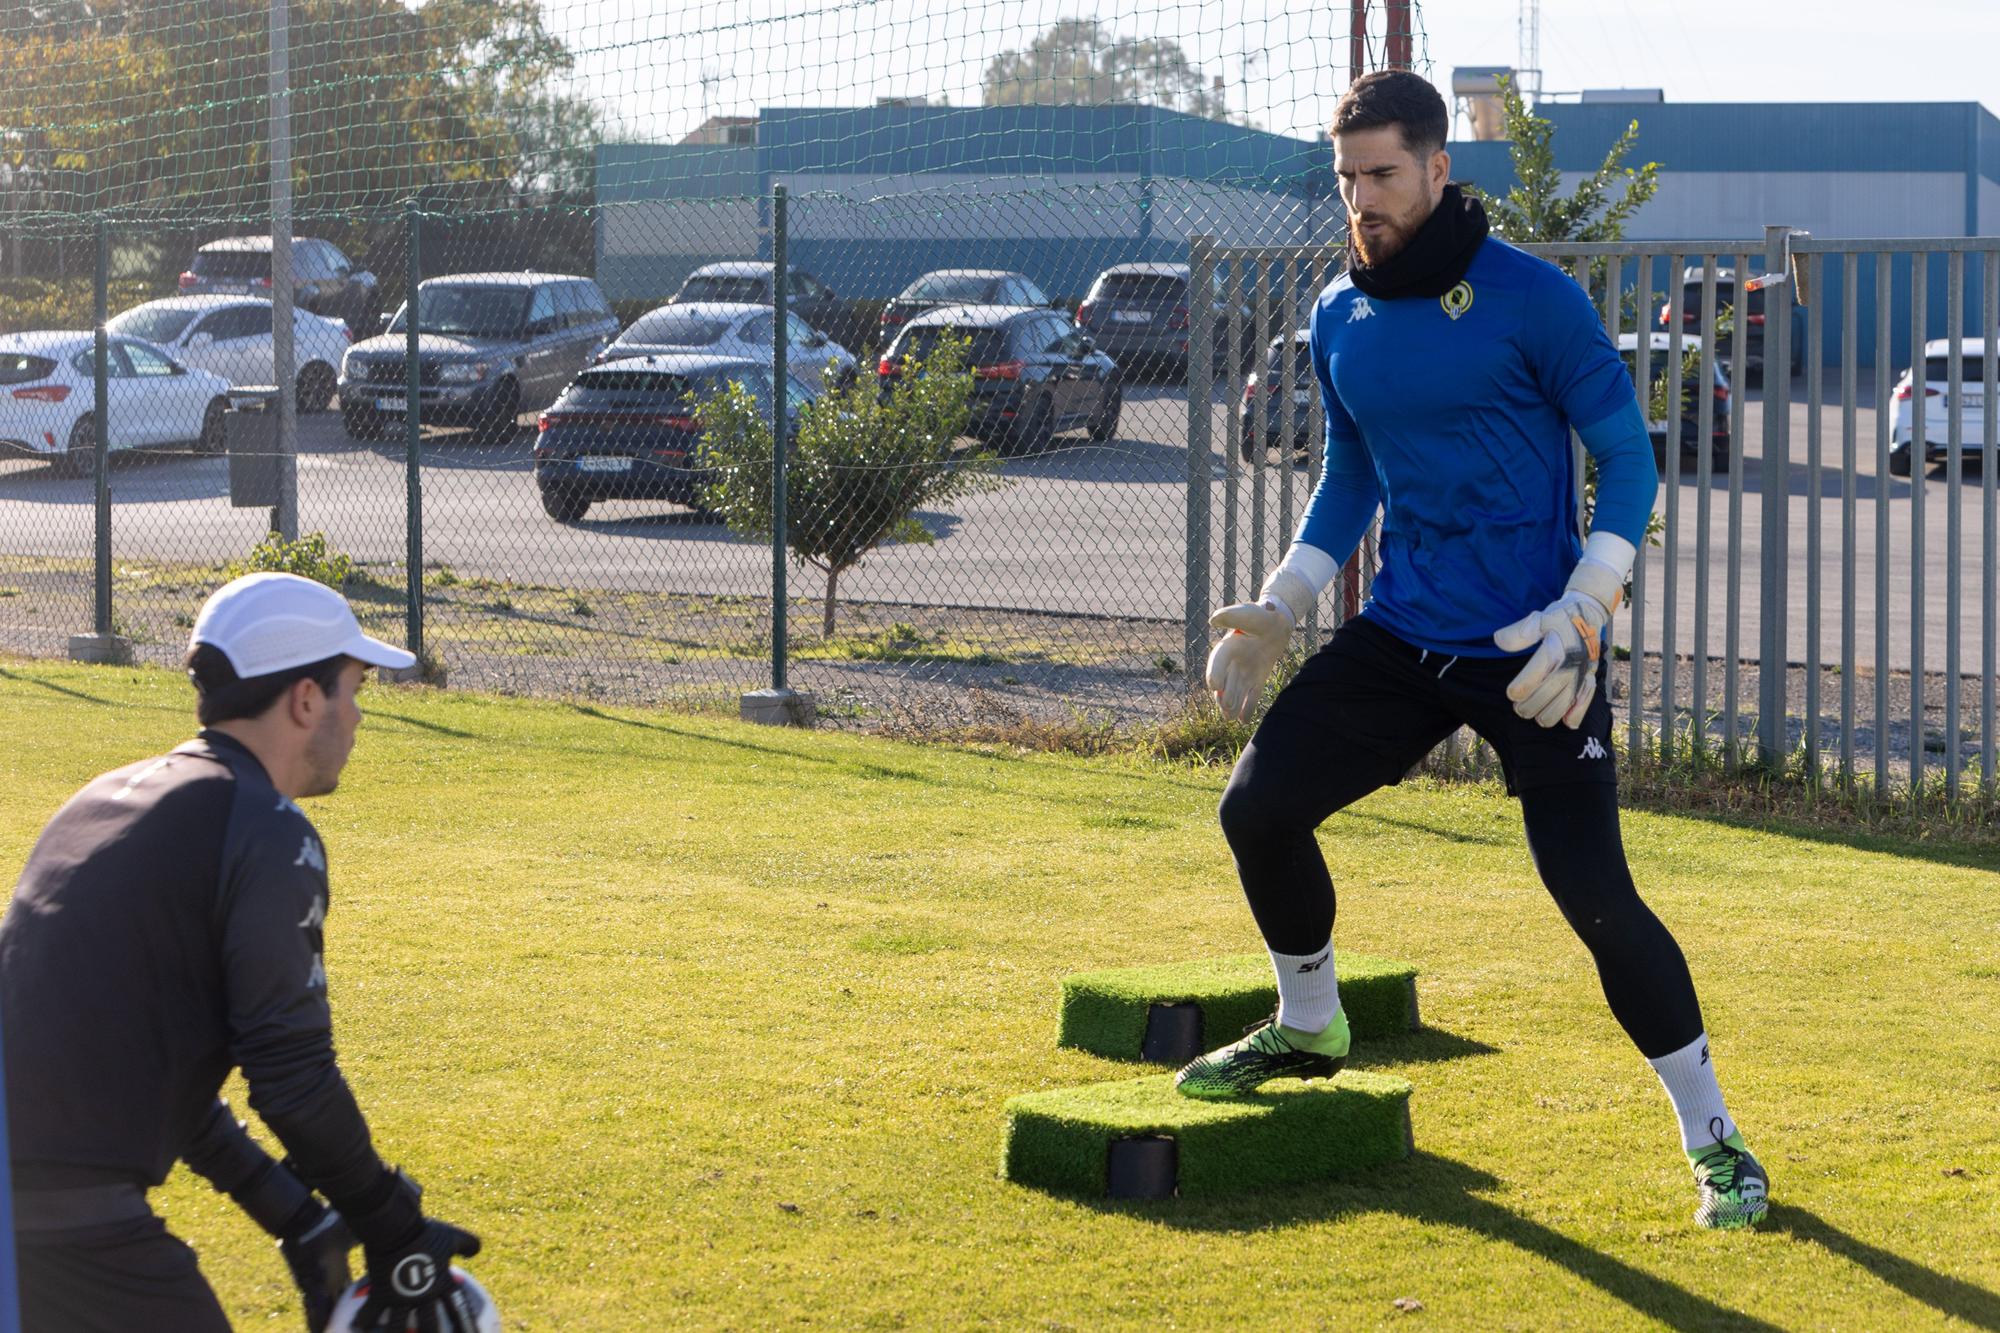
(1139,1138)
(1172,1012)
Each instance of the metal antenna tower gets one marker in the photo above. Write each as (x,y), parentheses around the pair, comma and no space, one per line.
(1530,72)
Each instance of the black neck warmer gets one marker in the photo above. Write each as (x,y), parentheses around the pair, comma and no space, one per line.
(1436,258)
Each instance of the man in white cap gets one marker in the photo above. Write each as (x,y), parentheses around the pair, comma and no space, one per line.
(166,929)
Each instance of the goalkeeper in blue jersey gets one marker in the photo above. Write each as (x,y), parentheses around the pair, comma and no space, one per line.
(1453,367)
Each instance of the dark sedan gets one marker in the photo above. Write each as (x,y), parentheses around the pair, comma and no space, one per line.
(1264,413)
(1034,375)
(1659,350)
(959,286)
(629,430)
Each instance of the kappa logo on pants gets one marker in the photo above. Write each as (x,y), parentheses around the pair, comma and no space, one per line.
(1592,750)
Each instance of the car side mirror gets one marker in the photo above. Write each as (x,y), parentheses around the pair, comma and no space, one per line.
(363,277)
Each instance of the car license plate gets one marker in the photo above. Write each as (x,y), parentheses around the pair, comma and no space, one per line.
(594,464)
(390,404)
(1131,317)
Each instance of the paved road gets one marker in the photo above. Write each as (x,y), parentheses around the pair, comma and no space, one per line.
(1087,529)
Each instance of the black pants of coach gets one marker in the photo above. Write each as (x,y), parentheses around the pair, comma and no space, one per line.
(1358,716)
(122,1277)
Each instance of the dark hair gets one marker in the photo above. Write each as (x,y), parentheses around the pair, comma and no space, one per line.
(1395,97)
(225,696)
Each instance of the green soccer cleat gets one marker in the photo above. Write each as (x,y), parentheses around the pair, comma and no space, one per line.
(1266,1051)
(1733,1184)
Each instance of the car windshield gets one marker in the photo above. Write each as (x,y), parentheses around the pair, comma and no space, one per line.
(953,287)
(156,324)
(1140,287)
(674,328)
(708,287)
(24,368)
(467,312)
(989,346)
(233,265)
(1971,369)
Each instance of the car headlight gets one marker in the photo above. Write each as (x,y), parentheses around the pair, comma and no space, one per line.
(347,366)
(463,372)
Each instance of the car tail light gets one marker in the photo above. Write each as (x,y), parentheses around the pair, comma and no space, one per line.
(546,420)
(1005,370)
(1249,388)
(260,282)
(1722,393)
(190,279)
(1179,319)
(1085,313)
(891,317)
(888,368)
(669,453)
(43,393)
(1666,313)
(1756,319)
(1694,317)
(1904,392)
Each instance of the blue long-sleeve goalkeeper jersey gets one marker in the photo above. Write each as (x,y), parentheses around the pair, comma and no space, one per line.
(1453,416)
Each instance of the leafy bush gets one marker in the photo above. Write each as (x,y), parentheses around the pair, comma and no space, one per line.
(311,556)
(861,464)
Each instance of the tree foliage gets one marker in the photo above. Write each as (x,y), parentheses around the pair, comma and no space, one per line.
(1079,62)
(859,467)
(1536,209)
(162,105)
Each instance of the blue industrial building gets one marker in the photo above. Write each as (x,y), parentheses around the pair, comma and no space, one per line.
(882,194)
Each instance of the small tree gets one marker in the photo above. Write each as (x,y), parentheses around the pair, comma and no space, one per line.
(860,464)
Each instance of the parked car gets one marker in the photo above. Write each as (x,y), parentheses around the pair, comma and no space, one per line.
(1659,352)
(324,280)
(749,280)
(1750,319)
(959,286)
(48,397)
(731,328)
(1140,314)
(1938,407)
(1307,429)
(490,347)
(230,336)
(1034,373)
(629,429)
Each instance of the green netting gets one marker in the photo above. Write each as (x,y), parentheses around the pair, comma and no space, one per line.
(631,146)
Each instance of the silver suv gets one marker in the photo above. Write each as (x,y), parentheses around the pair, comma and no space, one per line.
(490,346)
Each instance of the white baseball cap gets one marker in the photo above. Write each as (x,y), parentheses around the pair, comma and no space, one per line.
(272,622)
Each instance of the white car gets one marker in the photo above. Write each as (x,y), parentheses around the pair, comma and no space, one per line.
(47,397)
(230,336)
(731,328)
(1971,405)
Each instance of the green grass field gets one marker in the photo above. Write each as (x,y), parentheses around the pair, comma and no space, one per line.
(704,1025)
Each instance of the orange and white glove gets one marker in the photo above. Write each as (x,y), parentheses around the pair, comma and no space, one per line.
(1567,636)
(1257,633)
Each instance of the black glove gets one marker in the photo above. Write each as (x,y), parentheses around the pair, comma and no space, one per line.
(317,1256)
(409,1262)
(415,1279)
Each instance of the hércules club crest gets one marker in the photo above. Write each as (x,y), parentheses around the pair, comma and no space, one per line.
(1458,300)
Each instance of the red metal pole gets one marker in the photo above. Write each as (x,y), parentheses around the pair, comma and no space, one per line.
(1357,39)
(1400,52)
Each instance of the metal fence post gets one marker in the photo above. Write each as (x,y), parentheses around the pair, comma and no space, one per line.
(1773,478)
(283,360)
(780,436)
(100,388)
(1200,379)
(413,437)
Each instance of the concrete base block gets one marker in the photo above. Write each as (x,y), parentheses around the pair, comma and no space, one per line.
(778,708)
(410,675)
(100,649)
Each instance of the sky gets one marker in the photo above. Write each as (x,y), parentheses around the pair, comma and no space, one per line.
(658,67)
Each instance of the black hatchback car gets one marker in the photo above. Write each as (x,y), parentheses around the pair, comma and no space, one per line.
(324,280)
(1263,410)
(1034,374)
(959,286)
(628,430)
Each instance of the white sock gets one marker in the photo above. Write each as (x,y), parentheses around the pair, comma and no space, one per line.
(1308,992)
(1689,1078)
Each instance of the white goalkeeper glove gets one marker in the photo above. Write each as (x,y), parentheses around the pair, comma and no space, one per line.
(1256,633)
(1567,635)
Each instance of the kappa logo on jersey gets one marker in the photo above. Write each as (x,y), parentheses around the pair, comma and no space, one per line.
(311,855)
(316,918)
(1458,300)
(1359,310)
(1591,749)
(316,978)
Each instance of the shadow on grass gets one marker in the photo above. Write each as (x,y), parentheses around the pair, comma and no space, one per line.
(1511,838)
(861,770)
(1960,1299)
(375,714)
(1425,1046)
(1942,849)
(1441,1192)
(58,689)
